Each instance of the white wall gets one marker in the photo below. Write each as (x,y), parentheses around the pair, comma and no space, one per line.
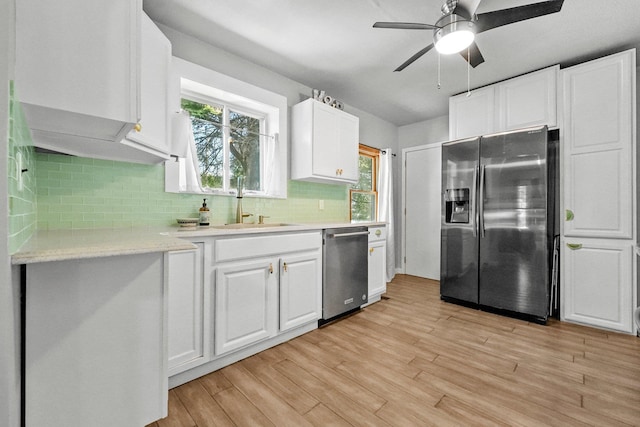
(422,133)
(9,289)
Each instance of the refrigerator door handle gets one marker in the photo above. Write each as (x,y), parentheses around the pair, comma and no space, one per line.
(481,201)
(475,202)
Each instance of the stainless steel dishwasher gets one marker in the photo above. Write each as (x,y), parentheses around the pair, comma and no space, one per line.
(344,271)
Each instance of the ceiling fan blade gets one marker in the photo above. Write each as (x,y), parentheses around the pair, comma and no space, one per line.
(489,20)
(414,57)
(404,25)
(472,55)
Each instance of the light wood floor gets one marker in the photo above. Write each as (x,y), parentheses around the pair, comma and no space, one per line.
(412,360)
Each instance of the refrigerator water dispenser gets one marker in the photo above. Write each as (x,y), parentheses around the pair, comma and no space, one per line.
(457,205)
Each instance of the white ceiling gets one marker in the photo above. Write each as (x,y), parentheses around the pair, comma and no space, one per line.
(331,45)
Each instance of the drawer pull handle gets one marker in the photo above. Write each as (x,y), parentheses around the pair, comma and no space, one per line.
(137,127)
(371,250)
(569,215)
(574,246)
(270,268)
(284,267)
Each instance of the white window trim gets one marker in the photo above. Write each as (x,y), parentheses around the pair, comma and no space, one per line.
(190,77)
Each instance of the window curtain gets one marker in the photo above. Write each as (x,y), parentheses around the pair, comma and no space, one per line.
(184,146)
(272,183)
(385,207)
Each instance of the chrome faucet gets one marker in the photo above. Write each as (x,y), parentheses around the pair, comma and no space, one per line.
(239,215)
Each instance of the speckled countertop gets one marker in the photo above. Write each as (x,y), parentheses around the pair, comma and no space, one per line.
(63,245)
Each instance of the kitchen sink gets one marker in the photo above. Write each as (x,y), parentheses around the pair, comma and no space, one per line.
(236,226)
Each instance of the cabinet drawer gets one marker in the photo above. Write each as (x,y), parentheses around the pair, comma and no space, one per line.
(259,246)
(377,234)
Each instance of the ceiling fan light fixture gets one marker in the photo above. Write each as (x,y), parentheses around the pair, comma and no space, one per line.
(454,36)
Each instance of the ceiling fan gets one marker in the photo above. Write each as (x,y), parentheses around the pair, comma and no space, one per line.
(455,31)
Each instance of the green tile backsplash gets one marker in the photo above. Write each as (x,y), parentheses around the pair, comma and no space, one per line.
(22,201)
(75,192)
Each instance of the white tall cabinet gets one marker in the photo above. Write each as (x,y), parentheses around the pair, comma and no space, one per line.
(598,153)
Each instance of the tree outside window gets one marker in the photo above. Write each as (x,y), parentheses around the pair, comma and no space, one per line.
(228,144)
(364,194)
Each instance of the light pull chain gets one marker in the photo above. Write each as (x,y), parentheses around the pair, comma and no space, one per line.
(468,72)
(439,86)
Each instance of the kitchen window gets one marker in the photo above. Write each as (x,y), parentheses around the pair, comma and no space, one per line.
(230,143)
(364,194)
(228,129)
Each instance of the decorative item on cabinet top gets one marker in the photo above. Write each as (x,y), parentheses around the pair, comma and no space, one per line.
(320,95)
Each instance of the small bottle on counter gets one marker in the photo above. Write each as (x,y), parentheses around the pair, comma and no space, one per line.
(204,214)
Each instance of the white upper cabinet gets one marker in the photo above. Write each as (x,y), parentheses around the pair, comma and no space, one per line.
(324,145)
(520,102)
(528,100)
(472,115)
(151,134)
(78,75)
(598,116)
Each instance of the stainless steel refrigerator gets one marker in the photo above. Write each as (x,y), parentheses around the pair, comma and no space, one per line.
(498,222)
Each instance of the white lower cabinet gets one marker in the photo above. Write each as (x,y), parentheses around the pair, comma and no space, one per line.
(246,306)
(236,295)
(189,308)
(377,263)
(598,281)
(300,295)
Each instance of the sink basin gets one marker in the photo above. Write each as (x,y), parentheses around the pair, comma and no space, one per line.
(237,226)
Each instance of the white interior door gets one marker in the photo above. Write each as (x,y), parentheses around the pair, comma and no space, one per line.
(422,211)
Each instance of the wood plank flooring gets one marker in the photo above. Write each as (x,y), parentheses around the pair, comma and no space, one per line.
(413,360)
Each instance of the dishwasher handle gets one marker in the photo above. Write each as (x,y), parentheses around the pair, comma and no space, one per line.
(356,233)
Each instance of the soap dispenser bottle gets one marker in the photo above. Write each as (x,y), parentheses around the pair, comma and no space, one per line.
(204,213)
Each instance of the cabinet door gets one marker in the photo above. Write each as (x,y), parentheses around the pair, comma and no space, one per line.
(472,115)
(300,290)
(347,154)
(189,343)
(334,143)
(528,100)
(152,130)
(377,268)
(597,287)
(326,140)
(246,303)
(598,147)
(77,66)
